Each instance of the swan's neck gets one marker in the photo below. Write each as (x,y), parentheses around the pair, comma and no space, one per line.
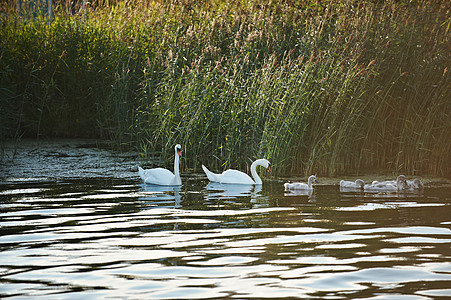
(177,168)
(310,181)
(257,178)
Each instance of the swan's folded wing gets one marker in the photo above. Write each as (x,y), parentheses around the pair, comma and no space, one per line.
(158,176)
(346,184)
(380,187)
(235,177)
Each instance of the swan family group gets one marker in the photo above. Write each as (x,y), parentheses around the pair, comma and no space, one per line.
(160,176)
(400,184)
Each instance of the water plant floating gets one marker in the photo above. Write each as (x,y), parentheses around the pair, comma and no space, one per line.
(237,177)
(161,176)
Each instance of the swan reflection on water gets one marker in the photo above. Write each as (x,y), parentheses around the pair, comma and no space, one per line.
(298,193)
(351,190)
(162,193)
(216,190)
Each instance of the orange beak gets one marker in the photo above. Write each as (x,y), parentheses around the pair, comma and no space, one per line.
(179,152)
(269,168)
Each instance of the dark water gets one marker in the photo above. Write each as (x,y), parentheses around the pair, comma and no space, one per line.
(76,223)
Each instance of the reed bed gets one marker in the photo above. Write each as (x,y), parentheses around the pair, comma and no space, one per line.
(333,87)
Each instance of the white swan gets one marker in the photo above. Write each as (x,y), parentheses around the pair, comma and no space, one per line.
(237,177)
(160,176)
(300,185)
(390,186)
(380,187)
(415,184)
(358,184)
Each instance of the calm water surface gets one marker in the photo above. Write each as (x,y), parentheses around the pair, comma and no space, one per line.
(77,223)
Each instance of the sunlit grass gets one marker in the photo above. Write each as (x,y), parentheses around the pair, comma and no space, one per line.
(326,88)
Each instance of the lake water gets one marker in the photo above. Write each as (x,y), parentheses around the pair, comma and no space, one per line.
(77,223)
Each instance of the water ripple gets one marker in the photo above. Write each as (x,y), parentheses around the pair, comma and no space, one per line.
(125,240)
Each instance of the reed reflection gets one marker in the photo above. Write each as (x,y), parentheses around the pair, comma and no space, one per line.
(160,192)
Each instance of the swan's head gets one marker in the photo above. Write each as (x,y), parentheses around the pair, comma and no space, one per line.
(178,150)
(313,179)
(402,180)
(359,183)
(264,163)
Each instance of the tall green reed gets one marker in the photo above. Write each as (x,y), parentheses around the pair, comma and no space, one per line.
(328,88)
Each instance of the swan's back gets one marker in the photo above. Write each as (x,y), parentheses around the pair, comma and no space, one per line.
(415,184)
(295,186)
(236,177)
(400,184)
(381,186)
(229,176)
(157,176)
(358,184)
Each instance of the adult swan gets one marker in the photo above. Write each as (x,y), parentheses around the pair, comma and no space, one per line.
(160,176)
(238,177)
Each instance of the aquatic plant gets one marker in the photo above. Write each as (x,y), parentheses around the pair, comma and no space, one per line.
(328,88)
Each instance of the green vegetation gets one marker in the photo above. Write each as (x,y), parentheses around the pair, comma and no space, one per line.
(326,87)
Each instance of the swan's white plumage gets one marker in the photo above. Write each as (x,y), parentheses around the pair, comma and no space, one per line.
(237,177)
(301,185)
(415,184)
(160,176)
(390,186)
(382,187)
(358,184)
(229,176)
